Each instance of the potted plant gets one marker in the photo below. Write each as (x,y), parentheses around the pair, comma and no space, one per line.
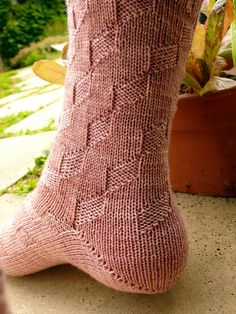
(203,142)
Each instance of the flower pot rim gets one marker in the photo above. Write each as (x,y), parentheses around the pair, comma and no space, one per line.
(201,113)
(215,94)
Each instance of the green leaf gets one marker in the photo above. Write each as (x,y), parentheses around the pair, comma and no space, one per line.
(219,65)
(210,5)
(226,53)
(190,80)
(214,33)
(233,26)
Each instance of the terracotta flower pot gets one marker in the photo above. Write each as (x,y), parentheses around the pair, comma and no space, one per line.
(203,144)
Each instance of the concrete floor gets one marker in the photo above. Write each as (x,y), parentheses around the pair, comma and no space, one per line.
(208,285)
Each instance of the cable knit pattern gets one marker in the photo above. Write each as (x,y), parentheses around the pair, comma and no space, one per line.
(104,201)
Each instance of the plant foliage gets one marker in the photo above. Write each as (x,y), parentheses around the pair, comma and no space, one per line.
(26,22)
(208,57)
(206,61)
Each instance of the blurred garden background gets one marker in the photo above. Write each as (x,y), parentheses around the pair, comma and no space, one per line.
(30,30)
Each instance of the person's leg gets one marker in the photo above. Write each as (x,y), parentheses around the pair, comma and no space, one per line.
(104,202)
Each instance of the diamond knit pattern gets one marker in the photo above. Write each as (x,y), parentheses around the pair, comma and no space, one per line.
(104,202)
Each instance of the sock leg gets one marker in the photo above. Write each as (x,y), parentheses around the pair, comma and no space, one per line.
(104,202)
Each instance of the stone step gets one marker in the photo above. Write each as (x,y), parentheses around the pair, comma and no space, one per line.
(18,154)
(39,119)
(32,103)
(9,203)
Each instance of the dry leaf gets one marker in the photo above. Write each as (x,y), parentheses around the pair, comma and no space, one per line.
(65,52)
(50,71)
(198,44)
(229,16)
(198,69)
(217,83)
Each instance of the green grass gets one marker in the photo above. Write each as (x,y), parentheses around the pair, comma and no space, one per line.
(48,127)
(34,91)
(7,121)
(28,183)
(8,83)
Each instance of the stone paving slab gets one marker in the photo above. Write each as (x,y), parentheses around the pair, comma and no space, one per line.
(8,205)
(29,92)
(18,154)
(32,103)
(13,97)
(39,119)
(24,73)
(32,82)
(208,285)
(29,79)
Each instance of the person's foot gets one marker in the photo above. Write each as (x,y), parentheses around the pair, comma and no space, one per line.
(104,201)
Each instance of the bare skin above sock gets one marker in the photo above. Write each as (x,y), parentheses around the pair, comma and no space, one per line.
(104,203)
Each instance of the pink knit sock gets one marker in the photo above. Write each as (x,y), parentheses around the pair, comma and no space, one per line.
(104,202)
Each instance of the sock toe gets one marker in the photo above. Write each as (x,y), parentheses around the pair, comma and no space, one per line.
(26,245)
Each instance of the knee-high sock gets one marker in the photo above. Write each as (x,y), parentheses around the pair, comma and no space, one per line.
(104,201)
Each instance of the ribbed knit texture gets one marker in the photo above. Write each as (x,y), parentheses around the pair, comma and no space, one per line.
(104,201)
